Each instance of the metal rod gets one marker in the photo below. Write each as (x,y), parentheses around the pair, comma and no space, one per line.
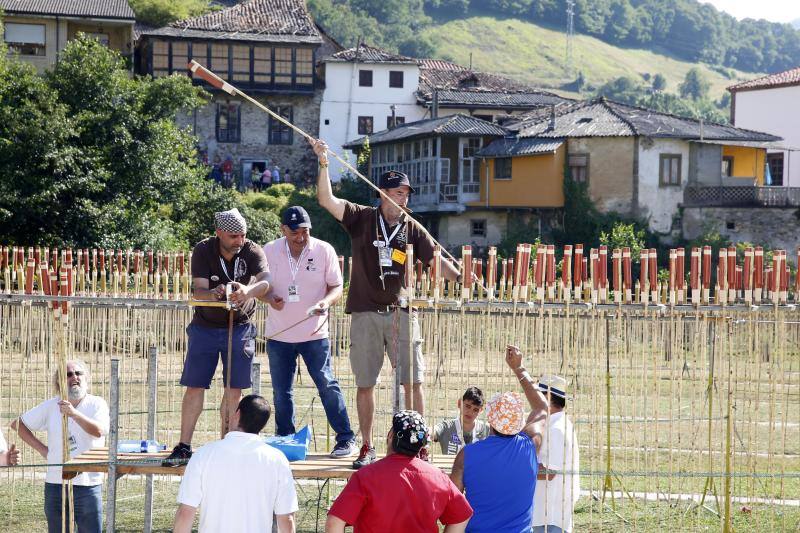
(152,405)
(113,440)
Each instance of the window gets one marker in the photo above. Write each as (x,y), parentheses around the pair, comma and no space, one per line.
(477,228)
(775,167)
(502,168)
(669,173)
(25,39)
(283,66)
(180,57)
(228,124)
(579,167)
(219,59)
(160,58)
(365,78)
(101,38)
(280,133)
(364,125)
(200,52)
(241,62)
(304,67)
(397,121)
(727,166)
(262,64)
(396,79)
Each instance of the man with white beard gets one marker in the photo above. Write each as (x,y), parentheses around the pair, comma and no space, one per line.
(87,425)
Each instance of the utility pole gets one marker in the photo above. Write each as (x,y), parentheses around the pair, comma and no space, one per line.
(570,36)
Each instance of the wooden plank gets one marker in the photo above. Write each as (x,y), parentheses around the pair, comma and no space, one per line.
(315,466)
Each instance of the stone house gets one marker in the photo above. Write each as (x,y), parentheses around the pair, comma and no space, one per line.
(37,30)
(266,48)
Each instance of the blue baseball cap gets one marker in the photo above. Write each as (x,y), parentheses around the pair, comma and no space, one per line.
(296,217)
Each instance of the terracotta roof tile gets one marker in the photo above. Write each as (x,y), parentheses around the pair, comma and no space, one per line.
(781,79)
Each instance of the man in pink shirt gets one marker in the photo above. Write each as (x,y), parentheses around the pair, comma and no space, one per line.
(305,280)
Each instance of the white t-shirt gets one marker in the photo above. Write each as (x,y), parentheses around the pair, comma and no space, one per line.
(238,483)
(47,417)
(554,500)
(3,443)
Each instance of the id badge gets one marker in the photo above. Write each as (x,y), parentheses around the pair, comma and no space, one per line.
(385,256)
(293,294)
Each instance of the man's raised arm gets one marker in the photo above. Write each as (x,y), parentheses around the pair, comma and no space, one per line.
(325,197)
(534,425)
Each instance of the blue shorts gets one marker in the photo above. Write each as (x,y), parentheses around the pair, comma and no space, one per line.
(208,345)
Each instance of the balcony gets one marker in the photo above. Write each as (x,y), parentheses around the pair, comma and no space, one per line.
(695,196)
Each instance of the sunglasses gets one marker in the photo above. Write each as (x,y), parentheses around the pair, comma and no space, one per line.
(78,373)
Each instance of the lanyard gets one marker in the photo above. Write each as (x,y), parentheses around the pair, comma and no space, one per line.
(294,267)
(225,269)
(386,233)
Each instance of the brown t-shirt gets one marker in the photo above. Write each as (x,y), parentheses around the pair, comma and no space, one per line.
(207,263)
(366,292)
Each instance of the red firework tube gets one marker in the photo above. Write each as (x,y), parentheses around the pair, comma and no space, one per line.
(768,279)
(681,268)
(551,265)
(54,259)
(478,268)
(491,268)
(212,79)
(86,260)
(21,257)
(652,269)
(595,259)
(706,269)
(732,267)
(627,269)
(722,269)
(644,265)
(37,255)
(13,264)
(70,274)
(784,273)
(603,258)
(584,271)
(29,273)
(776,270)
(180,265)
(102,255)
(119,261)
(511,271)
(758,268)
(53,287)
(466,267)
(63,281)
(79,259)
(128,253)
(694,269)
(419,270)
(44,278)
(30,253)
(517,265)
(525,267)
(539,266)
(150,261)
(5,257)
(577,276)
(673,274)
(747,271)
(616,269)
(159,262)
(738,278)
(566,267)
(136,261)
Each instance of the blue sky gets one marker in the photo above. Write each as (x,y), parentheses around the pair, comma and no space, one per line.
(774,10)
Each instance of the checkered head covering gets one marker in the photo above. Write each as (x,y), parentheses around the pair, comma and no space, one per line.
(410,432)
(231,221)
(505,412)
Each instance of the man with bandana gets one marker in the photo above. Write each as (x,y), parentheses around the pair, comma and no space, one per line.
(87,425)
(379,236)
(401,492)
(228,267)
(504,503)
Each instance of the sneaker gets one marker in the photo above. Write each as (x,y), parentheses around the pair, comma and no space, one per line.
(180,455)
(365,457)
(344,449)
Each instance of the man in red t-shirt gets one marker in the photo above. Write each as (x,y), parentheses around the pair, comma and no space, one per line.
(401,492)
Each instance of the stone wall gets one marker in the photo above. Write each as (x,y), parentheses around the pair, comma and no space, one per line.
(254,143)
(771,227)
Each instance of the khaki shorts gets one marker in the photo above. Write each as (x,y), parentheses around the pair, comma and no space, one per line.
(372,334)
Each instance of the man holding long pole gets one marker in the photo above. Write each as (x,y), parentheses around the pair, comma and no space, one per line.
(379,237)
(225,268)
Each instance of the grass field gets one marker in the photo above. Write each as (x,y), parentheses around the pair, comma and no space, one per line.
(536,54)
(665,442)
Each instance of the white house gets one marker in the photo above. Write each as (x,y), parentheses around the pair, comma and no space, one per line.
(770,104)
(366,89)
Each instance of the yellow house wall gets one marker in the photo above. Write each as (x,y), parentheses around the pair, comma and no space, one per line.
(536,181)
(119,37)
(747,162)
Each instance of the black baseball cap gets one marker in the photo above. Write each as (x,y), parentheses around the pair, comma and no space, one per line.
(393,179)
(296,217)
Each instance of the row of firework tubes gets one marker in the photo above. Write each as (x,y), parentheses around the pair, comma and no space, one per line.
(531,275)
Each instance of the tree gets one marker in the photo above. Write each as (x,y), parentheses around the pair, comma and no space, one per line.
(659,82)
(695,85)
(92,157)
(162,12)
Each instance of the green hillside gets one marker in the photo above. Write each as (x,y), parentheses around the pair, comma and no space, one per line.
(533,53)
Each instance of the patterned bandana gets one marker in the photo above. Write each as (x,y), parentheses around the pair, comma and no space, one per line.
(506,413)
(231,221)
(410,432)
